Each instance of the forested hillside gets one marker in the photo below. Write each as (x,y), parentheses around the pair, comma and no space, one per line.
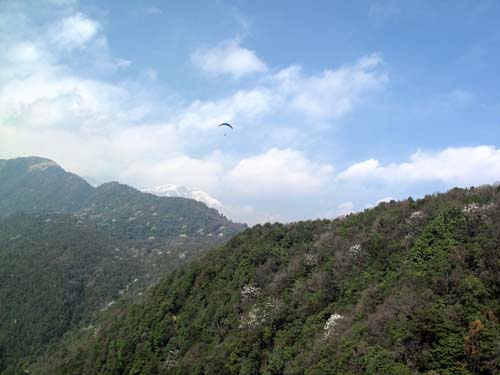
(56,271)
(161,231)
(35,184)
(165,227)
(68,250)
(409,287)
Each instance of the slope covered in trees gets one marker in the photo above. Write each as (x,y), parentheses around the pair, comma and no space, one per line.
(35,184)
(162,231)
(55,272)
(67,250)
(165,227)
(406,288)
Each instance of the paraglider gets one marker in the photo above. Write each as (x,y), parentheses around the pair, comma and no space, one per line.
(225,124)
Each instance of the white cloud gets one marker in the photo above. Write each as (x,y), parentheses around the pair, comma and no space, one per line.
(110,130)
(278,172)
(452,166)
(181,169)
(242,105)
(333,92)
(150,142)
(228,57)
(360,170)
(250,214)
(74,32)
(25,52)
(58,99)
(342,209)
(385,199)
(319,97)
(345,208)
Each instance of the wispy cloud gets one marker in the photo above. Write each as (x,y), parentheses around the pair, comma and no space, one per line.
(333,92)
(74,31)
(323,97)
(342,209)
(150,10)
(382,9)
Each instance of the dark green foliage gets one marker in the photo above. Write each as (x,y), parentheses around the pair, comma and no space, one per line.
(156,224)
(405,288)
(36,185)
(55,271)
(75,249)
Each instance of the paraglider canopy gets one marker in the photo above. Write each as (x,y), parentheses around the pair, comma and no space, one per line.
(225,124)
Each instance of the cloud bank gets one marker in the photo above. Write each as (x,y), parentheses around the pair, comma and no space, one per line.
(463,166)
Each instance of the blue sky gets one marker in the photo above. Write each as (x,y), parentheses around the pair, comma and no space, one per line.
(336,105)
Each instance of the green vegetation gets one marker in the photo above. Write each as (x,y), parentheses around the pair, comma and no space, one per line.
(36,185)
(68,250)
(405,288)
(157,224)
(408,287)
(55,272)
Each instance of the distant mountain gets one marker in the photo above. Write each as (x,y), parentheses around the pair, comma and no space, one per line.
(171,190)
(94,182)
(35,184)
(409,287)
(67,249)
(152,224)
(169,229)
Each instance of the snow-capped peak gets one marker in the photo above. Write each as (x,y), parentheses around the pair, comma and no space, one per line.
(171,190)
(94,182)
